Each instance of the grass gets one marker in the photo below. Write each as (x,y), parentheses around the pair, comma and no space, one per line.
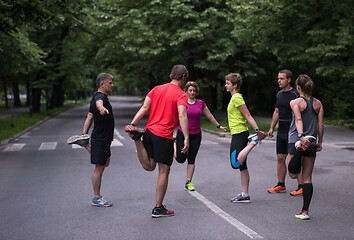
(205,123)
(23,120)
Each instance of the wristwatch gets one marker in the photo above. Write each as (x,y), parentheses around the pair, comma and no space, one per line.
(256,130)
(299,135)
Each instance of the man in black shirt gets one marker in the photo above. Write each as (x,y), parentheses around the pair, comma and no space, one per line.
(101,114)
(283,115)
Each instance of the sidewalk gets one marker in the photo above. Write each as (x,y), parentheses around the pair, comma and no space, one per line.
(7,113)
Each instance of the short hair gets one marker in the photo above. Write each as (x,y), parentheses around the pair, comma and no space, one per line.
(102,77)
(287,72)
(305,83)
(234,78)
(178,72)
(193,84)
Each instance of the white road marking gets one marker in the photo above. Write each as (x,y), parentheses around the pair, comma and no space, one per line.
(118,134)
(75,146)
(48,146)
(116,143)
(14,147)
(240,226)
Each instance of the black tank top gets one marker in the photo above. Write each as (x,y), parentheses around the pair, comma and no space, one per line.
(309,120)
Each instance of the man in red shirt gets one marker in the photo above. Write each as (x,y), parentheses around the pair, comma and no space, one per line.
(168,105)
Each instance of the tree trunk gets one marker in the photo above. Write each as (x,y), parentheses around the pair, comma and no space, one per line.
(57,99)
(16,93)
(36,96)
(5,95)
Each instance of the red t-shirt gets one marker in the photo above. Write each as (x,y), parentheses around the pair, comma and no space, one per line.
(163,116)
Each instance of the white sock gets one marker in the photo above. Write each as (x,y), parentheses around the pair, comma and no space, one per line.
(244,194)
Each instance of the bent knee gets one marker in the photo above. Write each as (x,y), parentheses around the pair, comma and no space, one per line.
(293,176)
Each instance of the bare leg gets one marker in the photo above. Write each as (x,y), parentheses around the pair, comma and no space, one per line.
(190,171)
(97,178)
(147,163)
(245,180)
(162,182)
(241,157)
(88,148)
(281,167)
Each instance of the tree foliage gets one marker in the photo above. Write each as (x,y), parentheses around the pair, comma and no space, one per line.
(63,44)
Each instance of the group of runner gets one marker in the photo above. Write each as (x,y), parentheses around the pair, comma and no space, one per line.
(300,121)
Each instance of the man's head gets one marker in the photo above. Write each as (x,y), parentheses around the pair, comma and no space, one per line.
(179,72)
(284,79)
(104,83)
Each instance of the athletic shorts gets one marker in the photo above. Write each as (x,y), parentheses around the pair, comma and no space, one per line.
(194,144)
(238,142)
(310,152)
(282,142)
(100,151)
(158,148)
(282,137)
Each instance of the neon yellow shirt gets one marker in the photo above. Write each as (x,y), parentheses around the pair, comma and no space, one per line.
(237,122)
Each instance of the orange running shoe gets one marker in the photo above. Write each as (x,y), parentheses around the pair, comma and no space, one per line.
(297,192)
(277,189)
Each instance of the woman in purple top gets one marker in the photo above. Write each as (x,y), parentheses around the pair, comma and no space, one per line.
(196,108)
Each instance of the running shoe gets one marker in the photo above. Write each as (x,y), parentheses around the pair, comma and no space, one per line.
(254,139)
(303,215)
(101,202)
(161,212)
(189,186)
(134,132)
(310,138)
(297,192)
(241,199)
(82,140)
(277,189)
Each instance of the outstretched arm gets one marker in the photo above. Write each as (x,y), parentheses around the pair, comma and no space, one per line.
(142,111)
(211,118)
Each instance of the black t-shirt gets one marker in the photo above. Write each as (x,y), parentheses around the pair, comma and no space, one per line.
(283,104)
(103,124)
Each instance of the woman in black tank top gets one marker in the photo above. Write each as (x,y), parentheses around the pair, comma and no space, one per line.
(308,126)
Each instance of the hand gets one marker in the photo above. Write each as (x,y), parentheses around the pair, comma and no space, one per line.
(103,111)
(261,135)
(223,128)
(318,147)
(186,146)
(305,142)
(270,133)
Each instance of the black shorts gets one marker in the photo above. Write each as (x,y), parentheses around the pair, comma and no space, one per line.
(194,144)
(158,148)
(238,142)
(100,151)
(282,142)
(310,151)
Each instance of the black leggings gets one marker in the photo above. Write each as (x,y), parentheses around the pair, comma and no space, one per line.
(194,144)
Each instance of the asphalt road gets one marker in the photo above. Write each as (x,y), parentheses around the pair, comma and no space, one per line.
(46,189)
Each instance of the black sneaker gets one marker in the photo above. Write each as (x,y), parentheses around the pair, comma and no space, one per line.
(161,212)
(82,140)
